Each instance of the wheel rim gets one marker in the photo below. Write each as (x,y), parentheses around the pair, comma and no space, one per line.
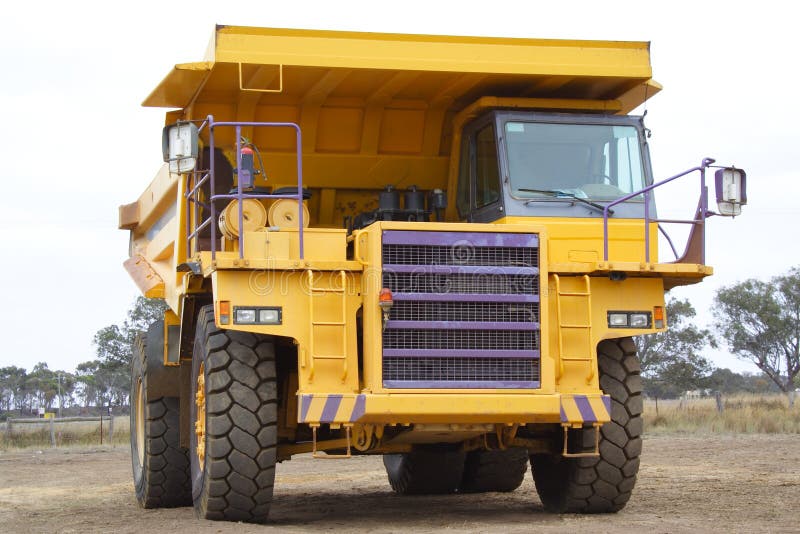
(139,407)
(200,423)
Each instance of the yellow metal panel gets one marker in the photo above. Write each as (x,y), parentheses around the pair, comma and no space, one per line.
(580,240)
(180,86)
(147,280)
(272,46)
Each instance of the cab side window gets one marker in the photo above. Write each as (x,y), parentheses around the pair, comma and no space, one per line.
(462,193)
(487,184)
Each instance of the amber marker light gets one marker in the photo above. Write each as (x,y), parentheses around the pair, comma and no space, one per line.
(386,302)
(658,317)
(385,295)
(224,312)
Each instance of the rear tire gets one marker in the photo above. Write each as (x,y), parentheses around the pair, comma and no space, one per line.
(233,448)
(601,484)
(495,470)
(425,472)
(160,464)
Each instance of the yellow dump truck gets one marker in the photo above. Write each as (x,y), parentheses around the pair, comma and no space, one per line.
(432,248)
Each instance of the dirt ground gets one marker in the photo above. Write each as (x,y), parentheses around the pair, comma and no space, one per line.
(686,484)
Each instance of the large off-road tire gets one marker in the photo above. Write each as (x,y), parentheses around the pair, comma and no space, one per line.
(496,470)
(425,472)
(160,464)
(234,417)
(604,484)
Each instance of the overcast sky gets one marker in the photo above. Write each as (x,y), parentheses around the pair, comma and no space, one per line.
(75,143)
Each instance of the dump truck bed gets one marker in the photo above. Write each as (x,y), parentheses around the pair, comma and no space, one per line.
(374,109)
(322,65)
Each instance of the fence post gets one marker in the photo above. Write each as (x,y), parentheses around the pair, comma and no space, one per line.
(718,398)
(52,432)
(101,428)
(111,430)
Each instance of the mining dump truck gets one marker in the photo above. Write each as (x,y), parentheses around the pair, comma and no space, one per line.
(436,249)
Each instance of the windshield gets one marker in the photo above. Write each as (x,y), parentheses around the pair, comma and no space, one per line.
(593,161)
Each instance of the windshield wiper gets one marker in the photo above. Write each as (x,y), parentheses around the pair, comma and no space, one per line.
(560,193)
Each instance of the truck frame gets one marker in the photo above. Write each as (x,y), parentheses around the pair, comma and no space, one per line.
(482,324)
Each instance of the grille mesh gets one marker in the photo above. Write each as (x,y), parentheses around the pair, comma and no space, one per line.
(461,283)
(461,339)
(405,310)
(460,253)
(455,369)
(484,367)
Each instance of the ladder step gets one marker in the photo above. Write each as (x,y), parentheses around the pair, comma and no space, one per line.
(570,294)
(326,290)
(327,323)
(576,326)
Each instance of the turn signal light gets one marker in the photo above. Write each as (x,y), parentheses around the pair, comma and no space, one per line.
(224,312)
(658,317)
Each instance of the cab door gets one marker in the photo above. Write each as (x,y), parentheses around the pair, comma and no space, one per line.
(479,196)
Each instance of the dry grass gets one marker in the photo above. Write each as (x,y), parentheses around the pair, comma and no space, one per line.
(742,414)
(67,434)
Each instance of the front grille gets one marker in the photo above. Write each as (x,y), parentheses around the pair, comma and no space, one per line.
(421,282)
(460,253)
(404,310)
(466,310)
(460,369)
(460,339)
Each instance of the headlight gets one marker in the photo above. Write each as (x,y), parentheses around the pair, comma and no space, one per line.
(258,315)
(629,319)
(618,319)
(639,320)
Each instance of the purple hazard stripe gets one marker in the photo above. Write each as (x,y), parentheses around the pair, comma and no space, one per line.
(359,408)
(466,239)
(305,404)
(607,402)
(331,407)
(585,408)
(563,414)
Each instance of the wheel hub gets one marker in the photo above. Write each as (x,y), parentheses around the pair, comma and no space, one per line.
(200,422)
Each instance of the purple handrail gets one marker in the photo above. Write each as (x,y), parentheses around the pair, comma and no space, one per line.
(703,209)
(240,194)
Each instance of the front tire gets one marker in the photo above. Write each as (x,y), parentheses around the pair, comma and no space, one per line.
(600,484)
(160,464)
(233,442)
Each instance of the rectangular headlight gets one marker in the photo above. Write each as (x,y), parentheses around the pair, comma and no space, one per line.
(244,315)
(618,319)
(269,316)
(257,315)
(640,320)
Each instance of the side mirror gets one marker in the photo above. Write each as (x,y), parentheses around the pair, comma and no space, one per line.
(731,191)
(179,145)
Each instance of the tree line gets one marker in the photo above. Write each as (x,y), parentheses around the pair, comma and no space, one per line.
(757,321)
(102,381)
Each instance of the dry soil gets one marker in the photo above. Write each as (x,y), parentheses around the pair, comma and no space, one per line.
(686,484)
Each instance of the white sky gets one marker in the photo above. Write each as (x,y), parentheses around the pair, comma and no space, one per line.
(75,143)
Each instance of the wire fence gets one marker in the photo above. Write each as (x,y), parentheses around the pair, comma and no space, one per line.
(66,431)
